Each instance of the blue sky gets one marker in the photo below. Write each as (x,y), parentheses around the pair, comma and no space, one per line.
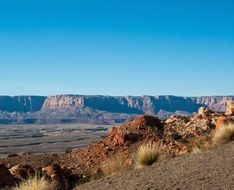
(117,47)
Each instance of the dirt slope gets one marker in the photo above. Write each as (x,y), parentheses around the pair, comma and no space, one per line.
(212,169)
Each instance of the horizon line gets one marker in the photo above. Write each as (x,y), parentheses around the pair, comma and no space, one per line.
(65,94)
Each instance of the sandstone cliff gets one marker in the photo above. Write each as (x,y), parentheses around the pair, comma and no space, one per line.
(135,104)
(99,109)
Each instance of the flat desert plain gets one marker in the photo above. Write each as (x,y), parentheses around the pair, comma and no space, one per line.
(48,138)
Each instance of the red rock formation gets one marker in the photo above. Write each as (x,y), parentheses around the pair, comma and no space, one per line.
(142,128)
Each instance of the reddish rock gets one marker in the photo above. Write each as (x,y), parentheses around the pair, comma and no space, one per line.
(223,120)
(142,127)
(22,171)
(58,175)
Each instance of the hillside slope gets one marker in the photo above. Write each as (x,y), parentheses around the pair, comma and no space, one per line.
(212,169)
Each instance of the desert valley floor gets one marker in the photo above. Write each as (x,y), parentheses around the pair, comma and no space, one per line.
(48,138)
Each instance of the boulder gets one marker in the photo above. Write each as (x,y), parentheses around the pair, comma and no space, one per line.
(171,119)
(58,175)
(204,112)
(22,171)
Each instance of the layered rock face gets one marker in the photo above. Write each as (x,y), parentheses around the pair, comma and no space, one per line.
(100,109)
(63,102)
(137,105)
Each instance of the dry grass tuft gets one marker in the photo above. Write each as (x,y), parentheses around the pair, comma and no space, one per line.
(196,150)
(147,154)
(36,183)
(114,165)
(224,134)
(202,143)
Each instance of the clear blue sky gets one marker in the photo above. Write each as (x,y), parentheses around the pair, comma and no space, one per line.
(117,47)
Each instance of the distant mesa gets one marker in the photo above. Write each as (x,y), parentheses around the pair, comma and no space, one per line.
(100,109)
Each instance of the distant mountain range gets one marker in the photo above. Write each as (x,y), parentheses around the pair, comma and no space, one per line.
(99,109)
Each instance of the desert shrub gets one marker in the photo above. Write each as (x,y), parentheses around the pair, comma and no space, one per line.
(36,183)
(114,165)
(147,154)
(224,134)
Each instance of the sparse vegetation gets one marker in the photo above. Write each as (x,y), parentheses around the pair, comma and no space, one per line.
(224,134)
(147,154)
(114,165)
(36,183)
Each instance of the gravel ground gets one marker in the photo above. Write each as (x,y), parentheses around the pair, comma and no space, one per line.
(212,169)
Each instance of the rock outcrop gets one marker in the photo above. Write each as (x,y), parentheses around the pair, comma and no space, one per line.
(142,128)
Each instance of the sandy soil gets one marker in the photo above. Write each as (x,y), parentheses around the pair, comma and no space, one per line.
(212,169)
